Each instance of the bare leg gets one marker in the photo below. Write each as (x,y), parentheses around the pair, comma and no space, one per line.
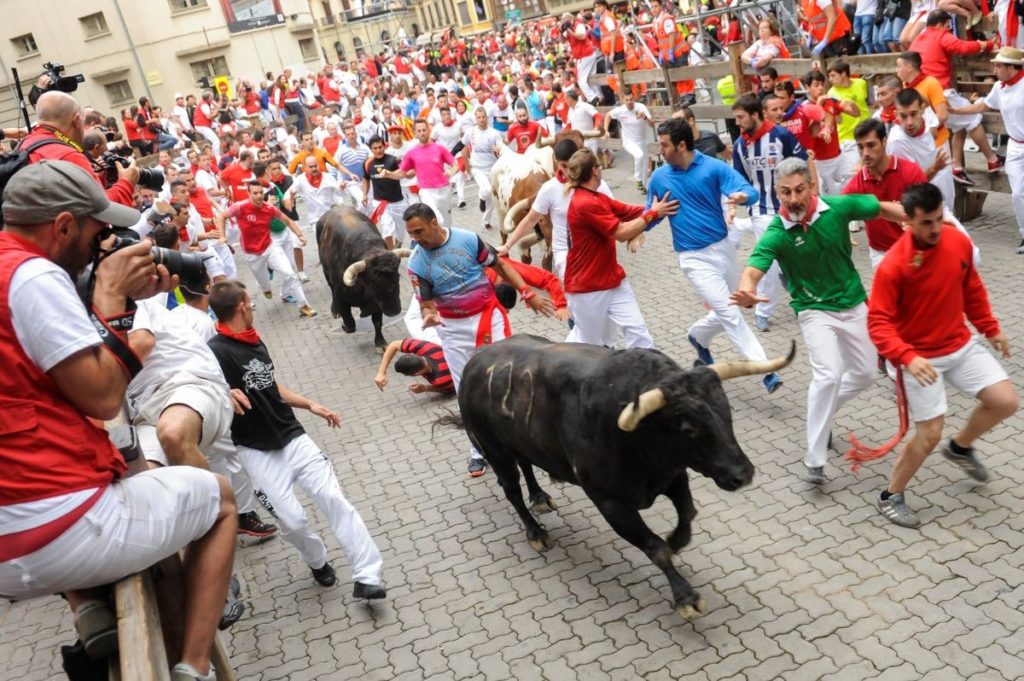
(179,430)
(926,437)
(207,569)
(981,139)
(299,260)
(957,143)
(998,402)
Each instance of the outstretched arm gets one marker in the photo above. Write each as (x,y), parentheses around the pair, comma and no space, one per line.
(381,379)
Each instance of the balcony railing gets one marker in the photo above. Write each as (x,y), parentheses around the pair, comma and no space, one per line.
(327,20)
(370,10)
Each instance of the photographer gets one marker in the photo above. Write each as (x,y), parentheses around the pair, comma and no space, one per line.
(60,118)
(71,524)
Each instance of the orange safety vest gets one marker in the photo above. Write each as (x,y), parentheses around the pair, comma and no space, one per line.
(817,21)
(611,35)
(671,43)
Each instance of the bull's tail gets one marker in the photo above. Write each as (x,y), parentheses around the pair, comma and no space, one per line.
(450,420)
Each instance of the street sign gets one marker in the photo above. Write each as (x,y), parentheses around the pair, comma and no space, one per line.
(514,16)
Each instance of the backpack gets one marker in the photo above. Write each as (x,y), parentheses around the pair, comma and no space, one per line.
(13,161)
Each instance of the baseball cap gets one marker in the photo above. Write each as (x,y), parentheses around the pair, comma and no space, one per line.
(178,95)
(40,192)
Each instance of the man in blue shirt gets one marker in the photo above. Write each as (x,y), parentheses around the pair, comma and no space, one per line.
(761,146)
(700,237)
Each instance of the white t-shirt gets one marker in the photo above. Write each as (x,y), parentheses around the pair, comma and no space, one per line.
(1009,101)
(318,200)
(634,128)
(484,143)
(178,350)
(581,116)
(197,320)
(447,135)
(553,201)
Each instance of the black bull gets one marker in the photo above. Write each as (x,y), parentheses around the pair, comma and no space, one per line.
(360,270)
(622,424)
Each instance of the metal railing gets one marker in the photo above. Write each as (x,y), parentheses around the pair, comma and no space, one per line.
(374,9)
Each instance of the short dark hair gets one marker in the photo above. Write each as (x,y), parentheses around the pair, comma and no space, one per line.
(254,183)
(506,295)
(909,96)
(565,148)
(925,197)
(937,17)
(839,66)
(677,130)
(769,71)
(225,297)
(868,126)
(750,103)
(410,364)
(202,291)
(166,235)
(376,139)
(814,76)
(687,113)
(421,211)
(912,58)
(178,183)
(786,85)
(259,168)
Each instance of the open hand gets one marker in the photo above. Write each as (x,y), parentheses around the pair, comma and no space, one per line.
(922,370)
(333,420)
(240,401)
(1000,344)
(746,298)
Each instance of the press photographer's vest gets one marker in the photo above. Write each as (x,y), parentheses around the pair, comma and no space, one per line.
(47,447)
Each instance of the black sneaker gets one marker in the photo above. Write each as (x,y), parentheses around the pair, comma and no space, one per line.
(814,475)
(483,205)
(968,462)
(1020,249)
(324,576)
(462,204)
(476,467)
(251,525)
(369,592)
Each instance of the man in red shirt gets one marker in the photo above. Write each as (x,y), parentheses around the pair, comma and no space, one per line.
(524,132)
(595,283)
(235,178)
(584,54)
(260,252)
(922,291)
(887,177)
(937,45)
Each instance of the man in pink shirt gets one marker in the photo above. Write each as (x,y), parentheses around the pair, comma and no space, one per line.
(426,162)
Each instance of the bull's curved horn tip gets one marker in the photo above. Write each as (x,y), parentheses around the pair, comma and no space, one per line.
(402,252)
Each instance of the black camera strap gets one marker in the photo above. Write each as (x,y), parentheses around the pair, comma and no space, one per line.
(114,339)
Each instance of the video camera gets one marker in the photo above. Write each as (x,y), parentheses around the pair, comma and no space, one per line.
(106,167)
(57,81)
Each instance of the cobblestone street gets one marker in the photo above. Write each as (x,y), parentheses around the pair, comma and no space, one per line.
(800,583)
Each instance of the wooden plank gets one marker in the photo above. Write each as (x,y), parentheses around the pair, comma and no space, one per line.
(718,69)
(138,631)
(598,79)
(993,121)
(794,68)
(741,84)
(869,64)
(642,76)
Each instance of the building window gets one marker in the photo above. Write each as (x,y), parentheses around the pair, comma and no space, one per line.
(308,48)
(415,30)
(182,5)
(481,11)
(433,16)
(464,13)
(119,92)
(94,25)
(444,8)
(358,45)
(25,45)
(209,68)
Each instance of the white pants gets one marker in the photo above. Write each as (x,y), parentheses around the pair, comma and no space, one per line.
(394,225)
(638,150)
(713,272)
(286,240)
(483,189)
(274,257)
(591,312)
(459,180)
(850,161)
(958,122)
(227,259)
(458,340)
(770,286)
(585,67)
(413,320)
(211,137)
(842,364)
(611,329)
(830,175)
(1015,174)
(440,199)
(944,181)
(137,522)
(223,460)
(302,463)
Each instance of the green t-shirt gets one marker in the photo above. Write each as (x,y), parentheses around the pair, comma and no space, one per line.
(818,263)
(277,226)
(858,94)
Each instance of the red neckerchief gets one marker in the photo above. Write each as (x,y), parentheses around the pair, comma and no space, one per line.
(1017,78)
(315,182)
(812,207)
(888,114)
(914,83)
(923,129)
(560,176)
(759,133)
(249,336)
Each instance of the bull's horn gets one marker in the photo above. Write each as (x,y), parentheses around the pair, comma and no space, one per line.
(650,402)
(402,252)
(545,142)
(590,134)
(508,225)
(353,272)
(726,370)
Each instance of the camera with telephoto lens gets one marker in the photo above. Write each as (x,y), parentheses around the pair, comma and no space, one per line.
(106,166)
(57,81)
(188,266)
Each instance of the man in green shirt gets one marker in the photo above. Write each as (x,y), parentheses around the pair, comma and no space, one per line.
(810,240)
(854,95)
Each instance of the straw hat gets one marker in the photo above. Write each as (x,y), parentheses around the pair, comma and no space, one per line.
(1009,55)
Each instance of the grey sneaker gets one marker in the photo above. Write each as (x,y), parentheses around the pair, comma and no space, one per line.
(761,323)
(968,462)
(814,475)
(183,672)
(895,509)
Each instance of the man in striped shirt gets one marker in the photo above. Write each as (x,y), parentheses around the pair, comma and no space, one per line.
(419,358)
(761,146)
(352,155)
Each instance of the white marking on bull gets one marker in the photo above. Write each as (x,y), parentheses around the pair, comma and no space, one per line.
(505,410)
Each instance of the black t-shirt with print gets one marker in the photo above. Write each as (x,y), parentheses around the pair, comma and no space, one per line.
(270,423)
(383,188)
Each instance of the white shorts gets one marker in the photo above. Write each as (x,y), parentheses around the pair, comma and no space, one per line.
(970,370)
(207,399)
(958,122)
(135,523)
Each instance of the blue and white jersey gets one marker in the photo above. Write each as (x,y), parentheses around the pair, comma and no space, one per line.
(452,275)
(756,156)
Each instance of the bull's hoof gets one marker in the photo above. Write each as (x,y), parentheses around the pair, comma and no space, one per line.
(347,328)
(542,504)
(542,542)
(379,349)
(692,611)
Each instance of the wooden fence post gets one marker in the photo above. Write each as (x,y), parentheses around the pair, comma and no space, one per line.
(739,80)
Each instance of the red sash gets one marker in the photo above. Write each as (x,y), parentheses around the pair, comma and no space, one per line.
(484,332)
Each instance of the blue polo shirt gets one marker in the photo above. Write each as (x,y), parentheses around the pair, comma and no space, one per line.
(699,189)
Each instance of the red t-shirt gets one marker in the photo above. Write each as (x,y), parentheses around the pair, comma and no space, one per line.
(580,48)
(591,264)
(826,151)
(799,123)
(254,224)
(524,135)
(201,201)
(919,299)
(131,130)
(236,177)
(937,46)
(902,173)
